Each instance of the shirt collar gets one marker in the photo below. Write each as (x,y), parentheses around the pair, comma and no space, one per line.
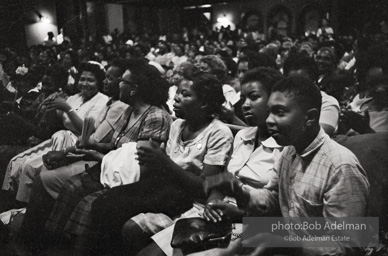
(249,135)
(315,145)
(270,143)
(202,133)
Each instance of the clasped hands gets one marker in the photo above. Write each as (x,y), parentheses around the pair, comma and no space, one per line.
(216,210)
(56,103)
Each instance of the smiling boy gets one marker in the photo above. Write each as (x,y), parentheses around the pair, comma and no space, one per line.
(315,176)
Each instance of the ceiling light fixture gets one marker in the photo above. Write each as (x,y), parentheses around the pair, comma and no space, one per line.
(45,20)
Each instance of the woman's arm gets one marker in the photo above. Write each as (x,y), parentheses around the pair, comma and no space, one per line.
(155,156)
(61,104)
(230,117)
(75,119)
(189,179)
(101,147)
(90,155)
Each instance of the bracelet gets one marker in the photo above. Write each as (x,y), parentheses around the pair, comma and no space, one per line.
(71,110)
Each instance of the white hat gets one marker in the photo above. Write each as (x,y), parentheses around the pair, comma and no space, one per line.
(97,63)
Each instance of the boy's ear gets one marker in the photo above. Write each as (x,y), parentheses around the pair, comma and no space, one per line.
(312,117)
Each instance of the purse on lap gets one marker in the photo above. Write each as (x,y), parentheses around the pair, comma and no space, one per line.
(54,159)
(196,234)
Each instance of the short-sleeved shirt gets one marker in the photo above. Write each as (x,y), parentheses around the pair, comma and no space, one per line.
(253,166)
(107,121)
(90,108)
(154,123)
(212,146)
(329,111)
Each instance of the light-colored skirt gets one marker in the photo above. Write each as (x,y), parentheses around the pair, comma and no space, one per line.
(59,141)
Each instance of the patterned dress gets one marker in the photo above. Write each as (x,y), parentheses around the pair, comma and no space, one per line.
(71,213)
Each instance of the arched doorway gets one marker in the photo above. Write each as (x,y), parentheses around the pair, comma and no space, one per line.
(308,21)
(281,18)
(251,25)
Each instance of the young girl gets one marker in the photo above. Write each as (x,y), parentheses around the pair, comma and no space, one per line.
(198,146)
(254,154)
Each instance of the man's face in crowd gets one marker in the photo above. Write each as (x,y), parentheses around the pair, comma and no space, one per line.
(252,22)
(286,120)
(324,61)
(242,68)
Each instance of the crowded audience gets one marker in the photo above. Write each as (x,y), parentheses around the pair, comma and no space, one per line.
(107,144)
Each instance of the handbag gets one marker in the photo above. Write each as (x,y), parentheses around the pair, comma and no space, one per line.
(54,159)
(196,234)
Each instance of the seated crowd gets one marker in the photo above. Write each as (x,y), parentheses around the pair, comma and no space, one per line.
(107,145)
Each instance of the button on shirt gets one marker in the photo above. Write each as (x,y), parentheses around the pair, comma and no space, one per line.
(212,146)
(325,180)
(254,166)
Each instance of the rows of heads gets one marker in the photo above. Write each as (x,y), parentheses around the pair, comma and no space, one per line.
(153,88)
